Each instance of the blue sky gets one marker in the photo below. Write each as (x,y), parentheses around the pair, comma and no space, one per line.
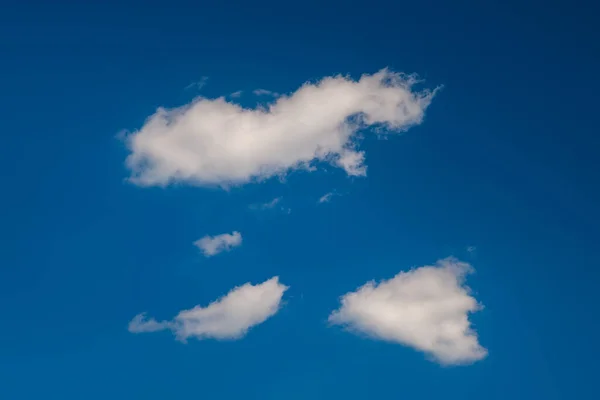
(501,173)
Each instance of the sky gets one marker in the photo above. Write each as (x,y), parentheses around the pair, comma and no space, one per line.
(313,200)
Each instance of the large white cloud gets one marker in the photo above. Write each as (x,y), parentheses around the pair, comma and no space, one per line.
(229,317)
(217,142)
(425,308)
(213,245)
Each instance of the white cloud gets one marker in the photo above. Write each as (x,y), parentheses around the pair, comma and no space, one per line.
(229,317)
(275,204)
(425,308)
(198,85)
(326,197)
(267,205)
(217,142)
(272,203)
(212,245)
(141,324)
(263,92)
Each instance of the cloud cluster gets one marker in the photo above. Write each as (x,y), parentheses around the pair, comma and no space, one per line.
(217,142)
(229,317)
(213,245)
(426,308)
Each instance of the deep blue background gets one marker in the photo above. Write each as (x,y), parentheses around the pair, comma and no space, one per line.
(507,161)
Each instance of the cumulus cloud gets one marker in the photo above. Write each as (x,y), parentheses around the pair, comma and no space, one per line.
(426,308)
(212,245)
(218,142)
(229,317)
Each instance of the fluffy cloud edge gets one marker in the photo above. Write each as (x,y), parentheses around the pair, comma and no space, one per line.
(228,318)
(213,245)
(425,308)
(217,142)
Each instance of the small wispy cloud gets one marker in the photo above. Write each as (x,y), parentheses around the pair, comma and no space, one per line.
(271,203)
(237,94)
(276,203)
(264,92)
(229,317)
(471,249)
(213,245)
(141,324)
(326,197)
(198,85)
